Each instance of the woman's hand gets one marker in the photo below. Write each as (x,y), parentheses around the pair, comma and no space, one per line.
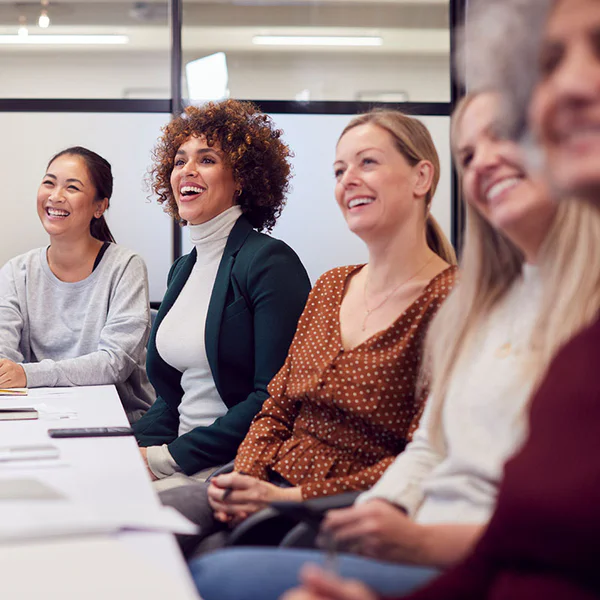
(234,496)
(144,453)
(377,529)
(320,585)
(12,375)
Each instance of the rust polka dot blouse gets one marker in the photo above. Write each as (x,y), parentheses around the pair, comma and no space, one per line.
(335,418)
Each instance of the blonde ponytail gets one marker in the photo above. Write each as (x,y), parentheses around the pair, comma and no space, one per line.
(438,242)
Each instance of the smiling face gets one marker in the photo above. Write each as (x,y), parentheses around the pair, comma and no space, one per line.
(376,186)
(494,179)
(565,109)
(202,182)
(66,200)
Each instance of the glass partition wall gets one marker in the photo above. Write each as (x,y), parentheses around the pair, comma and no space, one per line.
(108,74)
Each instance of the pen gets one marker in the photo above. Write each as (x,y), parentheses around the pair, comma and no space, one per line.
(331,562)
(228,490)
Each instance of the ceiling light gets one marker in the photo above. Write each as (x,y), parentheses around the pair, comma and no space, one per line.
(316,40)
(22,32)
(69,40)
(44,19)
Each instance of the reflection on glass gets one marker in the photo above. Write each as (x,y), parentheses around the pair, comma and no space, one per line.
(374,50)
(207,78)
(85,49)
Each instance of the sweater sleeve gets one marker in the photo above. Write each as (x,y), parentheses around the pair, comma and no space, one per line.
(278,287)
(11,316)
(121,344)
(402,483)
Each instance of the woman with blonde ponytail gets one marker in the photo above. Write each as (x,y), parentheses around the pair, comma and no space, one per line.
(346,401)
(529,283)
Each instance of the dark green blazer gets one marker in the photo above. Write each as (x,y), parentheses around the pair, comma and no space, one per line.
(258,295)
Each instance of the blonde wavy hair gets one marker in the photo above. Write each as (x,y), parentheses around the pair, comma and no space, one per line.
(414,142)
(569,265)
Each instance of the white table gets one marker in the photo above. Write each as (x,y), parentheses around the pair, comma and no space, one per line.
(103,472)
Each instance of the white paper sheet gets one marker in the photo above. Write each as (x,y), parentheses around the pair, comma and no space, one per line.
(31,520)
(86,568)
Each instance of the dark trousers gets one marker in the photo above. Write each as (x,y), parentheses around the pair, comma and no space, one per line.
(192,502)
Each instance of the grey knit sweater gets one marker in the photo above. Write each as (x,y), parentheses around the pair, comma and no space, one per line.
(91,332)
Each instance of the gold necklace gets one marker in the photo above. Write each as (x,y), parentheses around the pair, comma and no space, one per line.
(368,310)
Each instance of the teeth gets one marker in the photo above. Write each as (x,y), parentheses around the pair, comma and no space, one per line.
(360,202)
(502,186)
(191,189)
(54,212)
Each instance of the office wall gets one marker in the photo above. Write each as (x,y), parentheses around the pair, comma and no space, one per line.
(311,222)
(30,139)
(274,76)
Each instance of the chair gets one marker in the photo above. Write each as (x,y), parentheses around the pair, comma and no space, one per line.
(271,527)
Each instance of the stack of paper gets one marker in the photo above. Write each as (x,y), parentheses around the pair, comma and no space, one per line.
(13,392)
(34,520)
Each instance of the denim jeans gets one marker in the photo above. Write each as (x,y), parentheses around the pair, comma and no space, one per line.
(265,573)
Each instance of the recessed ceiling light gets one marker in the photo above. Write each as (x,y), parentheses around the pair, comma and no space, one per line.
(68,40)
(316,40)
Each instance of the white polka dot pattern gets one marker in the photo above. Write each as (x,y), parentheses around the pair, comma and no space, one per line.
(335,418)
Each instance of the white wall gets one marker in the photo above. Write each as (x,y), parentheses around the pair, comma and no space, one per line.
(125,140)
(253,75)
(311,223)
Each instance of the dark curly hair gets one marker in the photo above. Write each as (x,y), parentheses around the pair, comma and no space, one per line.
(252,147)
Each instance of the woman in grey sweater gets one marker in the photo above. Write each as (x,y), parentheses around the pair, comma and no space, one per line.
(76,312)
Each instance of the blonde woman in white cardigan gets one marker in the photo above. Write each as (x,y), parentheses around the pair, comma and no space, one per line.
(525,290)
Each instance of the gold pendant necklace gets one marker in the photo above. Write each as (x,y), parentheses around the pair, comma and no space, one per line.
(368,310)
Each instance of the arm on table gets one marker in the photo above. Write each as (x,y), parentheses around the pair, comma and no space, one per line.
(120,347)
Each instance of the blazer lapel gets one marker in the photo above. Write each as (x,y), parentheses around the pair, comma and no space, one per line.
(237,237)
(172,293)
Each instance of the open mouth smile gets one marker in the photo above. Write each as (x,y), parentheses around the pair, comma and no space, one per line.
(56,213)
(190,192)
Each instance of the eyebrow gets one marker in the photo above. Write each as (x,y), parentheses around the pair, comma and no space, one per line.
(360,152)
(70,180)
(201,151)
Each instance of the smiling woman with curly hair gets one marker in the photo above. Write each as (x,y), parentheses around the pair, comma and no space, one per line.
(232,304)
(251,147)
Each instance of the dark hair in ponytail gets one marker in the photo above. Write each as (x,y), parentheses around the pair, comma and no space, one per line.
(101,174)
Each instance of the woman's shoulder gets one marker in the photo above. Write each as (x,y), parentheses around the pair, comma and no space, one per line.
(118,256)
(335,278)
(25,262)
(263,242)
(443,283)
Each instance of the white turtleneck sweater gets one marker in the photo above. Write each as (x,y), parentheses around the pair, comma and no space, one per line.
(483,420)
(180,337)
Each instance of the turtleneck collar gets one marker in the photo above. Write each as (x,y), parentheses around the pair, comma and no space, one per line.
(218,228)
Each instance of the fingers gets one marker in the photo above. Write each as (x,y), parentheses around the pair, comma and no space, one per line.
(339,518)
(12,374)
(347,525)
(299,594)
(234,480)
(326,586)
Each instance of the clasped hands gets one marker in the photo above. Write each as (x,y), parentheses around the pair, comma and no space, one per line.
(235,496)
(12,375)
